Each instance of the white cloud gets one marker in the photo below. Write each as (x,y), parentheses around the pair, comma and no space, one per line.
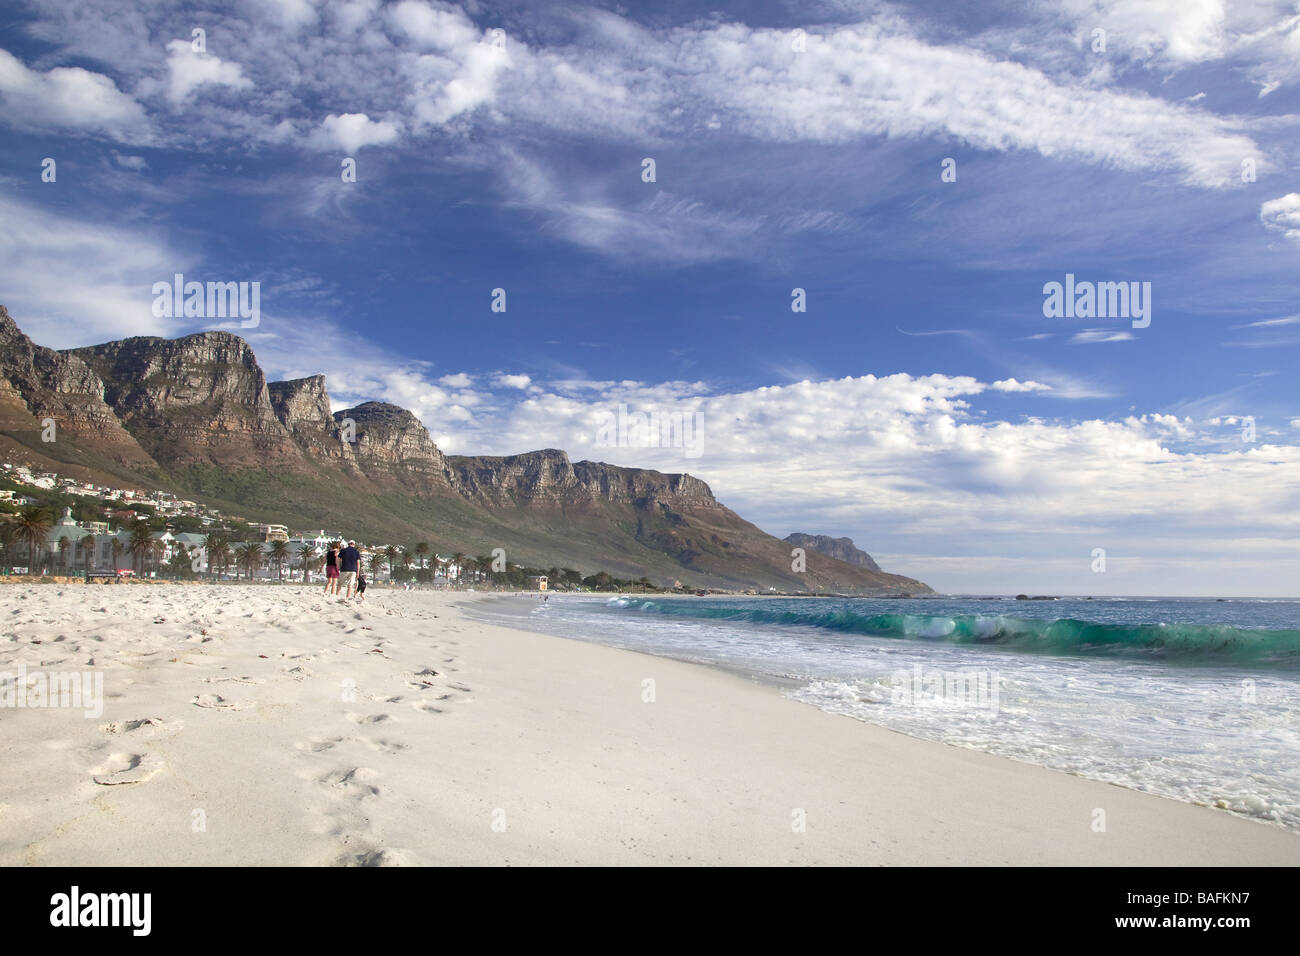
(876,79)
(1012,385)
(68,98)
(294,14)
(351,131)
(1283,215)
(511,381)
(187,71)
(458,71)
(440,27)
(1260,37)
(458,380)
(1181,30)
(426,67)
(137,163)
(1269,323)
(1094,336)
(69,282)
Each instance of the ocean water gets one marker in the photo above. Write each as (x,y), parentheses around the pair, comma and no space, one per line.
(1197,700)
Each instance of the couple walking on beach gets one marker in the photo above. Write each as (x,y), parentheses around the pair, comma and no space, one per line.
(343,566)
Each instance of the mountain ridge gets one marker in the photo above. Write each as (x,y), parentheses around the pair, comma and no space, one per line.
(196,415)
(841,548)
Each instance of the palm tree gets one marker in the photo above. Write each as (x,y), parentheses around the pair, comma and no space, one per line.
(31,529)
(218,548)
(88,551)
(458,559)
(278,552)
(116,547)
(307,555)
(140,544)
(179,561)
(421,549)
(154,552)
(376,560)
(249,557)
(390,553)
(63,551)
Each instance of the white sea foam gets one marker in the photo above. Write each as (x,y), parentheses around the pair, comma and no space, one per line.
(1220,736)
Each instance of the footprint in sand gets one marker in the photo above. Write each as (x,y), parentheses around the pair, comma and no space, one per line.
(425,707)
(126,768)
(421,679)
(379,856)
(145,726)
(315,745)
(217,702)
(384,746)
(298,673)
(364,719)
(354,780)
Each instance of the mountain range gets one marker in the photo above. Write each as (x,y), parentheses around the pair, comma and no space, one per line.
(195,416)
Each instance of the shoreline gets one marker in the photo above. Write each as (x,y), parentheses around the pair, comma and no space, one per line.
(783,684)
(309,732)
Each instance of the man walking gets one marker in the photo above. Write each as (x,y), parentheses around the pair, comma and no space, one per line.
(349,562)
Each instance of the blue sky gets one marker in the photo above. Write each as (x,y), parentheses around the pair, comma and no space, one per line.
(923,404)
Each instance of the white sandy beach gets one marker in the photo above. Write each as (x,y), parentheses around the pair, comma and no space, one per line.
(250,725)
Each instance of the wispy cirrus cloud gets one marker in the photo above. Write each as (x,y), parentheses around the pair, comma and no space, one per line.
(875,78)
(1098,336)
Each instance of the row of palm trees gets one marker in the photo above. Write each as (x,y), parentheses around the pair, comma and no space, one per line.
(31,529)
(248,557)
(30,532)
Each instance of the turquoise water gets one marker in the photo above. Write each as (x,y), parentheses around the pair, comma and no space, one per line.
(1175,632)
(1198,700)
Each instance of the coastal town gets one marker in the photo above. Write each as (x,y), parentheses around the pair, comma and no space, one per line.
(55,525)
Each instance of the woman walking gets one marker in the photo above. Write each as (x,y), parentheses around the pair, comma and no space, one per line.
(331,569)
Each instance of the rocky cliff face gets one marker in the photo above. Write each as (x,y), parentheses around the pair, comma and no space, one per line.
(842,549)
(392,447)
(548,477)
(639,485)
(201,399)
(303,406)
(41,383)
